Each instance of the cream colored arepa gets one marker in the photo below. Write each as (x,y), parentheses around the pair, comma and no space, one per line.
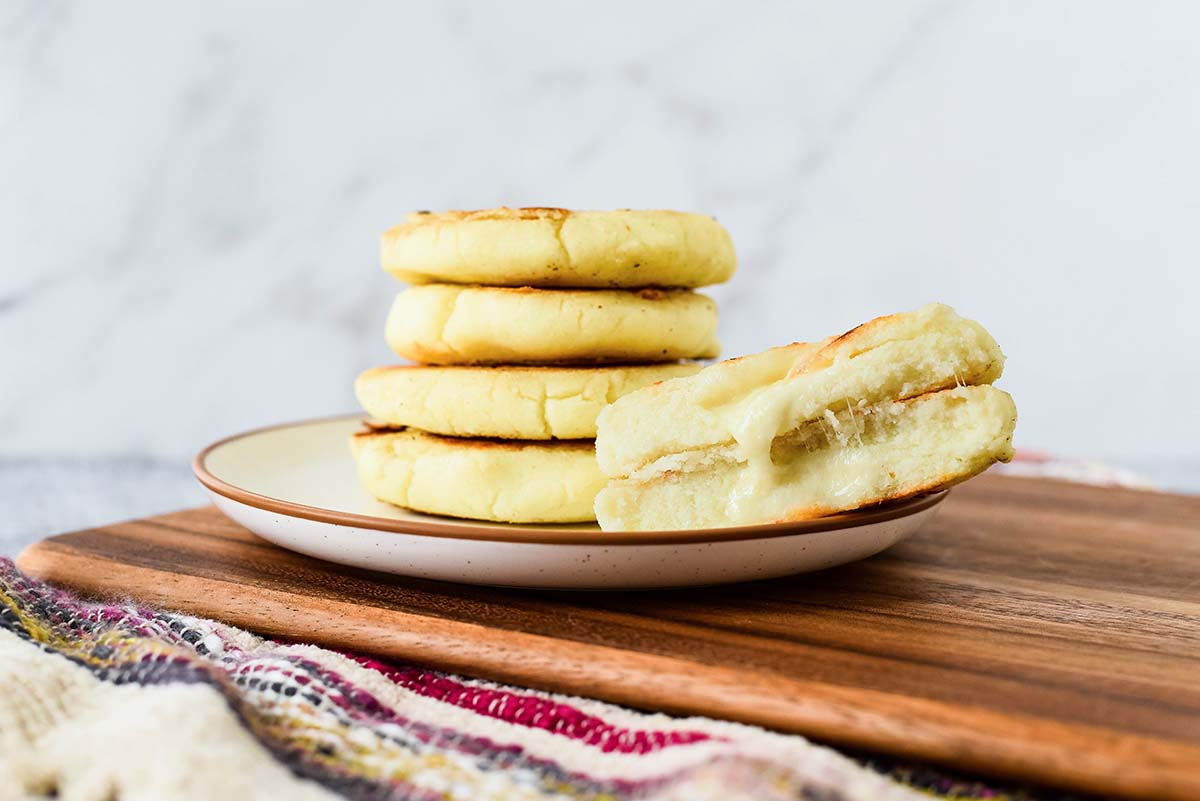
(755,398)
(740,422)
(504,402)
(450,324)
(560,248)
(850,459)
(509,481)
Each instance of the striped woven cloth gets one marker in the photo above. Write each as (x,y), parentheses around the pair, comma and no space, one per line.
(117,701)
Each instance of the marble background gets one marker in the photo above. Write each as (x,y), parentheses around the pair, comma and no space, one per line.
(191,196)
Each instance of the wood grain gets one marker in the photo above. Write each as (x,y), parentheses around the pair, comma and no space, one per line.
(1035,629)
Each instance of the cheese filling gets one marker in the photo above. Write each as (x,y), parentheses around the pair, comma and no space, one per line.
(769,460)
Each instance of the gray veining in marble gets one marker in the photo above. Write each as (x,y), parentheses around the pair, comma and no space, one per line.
(191,196)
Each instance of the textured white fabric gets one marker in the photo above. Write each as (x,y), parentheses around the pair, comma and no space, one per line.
(64,731)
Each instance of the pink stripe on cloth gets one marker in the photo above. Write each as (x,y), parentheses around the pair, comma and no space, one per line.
(534,712)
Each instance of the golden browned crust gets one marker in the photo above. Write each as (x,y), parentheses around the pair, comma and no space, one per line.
(435,219)
(419,218)
(862,329)
(945,482)
(542,246)
(371,428)
(519,368)
(644,293)
(442,324)
(537,402)
(375,429)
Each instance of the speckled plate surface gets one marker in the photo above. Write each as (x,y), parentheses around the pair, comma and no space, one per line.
(295,485)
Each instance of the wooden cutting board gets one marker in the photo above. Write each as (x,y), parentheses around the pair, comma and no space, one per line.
(1035,629)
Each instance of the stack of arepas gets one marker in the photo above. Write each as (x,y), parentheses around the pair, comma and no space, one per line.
(524,324)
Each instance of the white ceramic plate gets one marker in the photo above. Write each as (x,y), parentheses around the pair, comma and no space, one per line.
(296,486)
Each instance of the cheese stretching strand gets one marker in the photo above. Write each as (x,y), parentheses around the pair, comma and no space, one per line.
(898,406)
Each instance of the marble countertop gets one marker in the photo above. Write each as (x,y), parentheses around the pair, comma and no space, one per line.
(45,497)
(192,202)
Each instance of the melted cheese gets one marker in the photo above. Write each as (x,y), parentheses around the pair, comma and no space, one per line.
(866,379)
(863,455)
(746,403)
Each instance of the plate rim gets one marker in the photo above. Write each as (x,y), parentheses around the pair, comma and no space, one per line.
(515,533)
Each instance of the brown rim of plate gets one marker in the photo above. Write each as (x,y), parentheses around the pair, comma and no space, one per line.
(546,534)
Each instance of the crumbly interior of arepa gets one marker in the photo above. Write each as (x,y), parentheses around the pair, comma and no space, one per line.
(859,455)
(728,405)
